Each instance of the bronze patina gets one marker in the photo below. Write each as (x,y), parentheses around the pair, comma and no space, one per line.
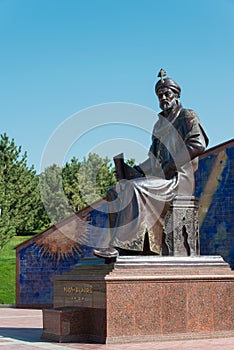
(137,209)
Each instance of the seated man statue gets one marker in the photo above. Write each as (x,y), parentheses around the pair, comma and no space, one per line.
(137,207)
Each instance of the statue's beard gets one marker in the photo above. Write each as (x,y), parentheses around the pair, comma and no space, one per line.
(165,105)
(168,105)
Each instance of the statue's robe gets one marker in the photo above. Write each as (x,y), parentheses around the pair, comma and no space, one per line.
(139,205)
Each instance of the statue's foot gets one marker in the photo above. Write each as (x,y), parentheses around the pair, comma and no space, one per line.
(106,253)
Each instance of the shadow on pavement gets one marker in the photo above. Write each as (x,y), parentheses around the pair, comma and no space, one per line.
(26,334)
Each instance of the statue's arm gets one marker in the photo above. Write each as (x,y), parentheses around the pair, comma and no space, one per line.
(194,139)
(193,143)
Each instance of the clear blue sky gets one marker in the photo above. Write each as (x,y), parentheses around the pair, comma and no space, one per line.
(61,56)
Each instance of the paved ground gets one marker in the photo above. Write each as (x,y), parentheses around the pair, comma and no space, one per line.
(21,329)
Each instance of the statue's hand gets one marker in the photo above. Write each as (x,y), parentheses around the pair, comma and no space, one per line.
(116,175)
(139,170)
(169,169)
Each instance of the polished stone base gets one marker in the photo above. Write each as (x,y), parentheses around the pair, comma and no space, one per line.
(142,298)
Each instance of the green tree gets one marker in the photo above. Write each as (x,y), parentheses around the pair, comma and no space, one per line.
(71,184)
(69,189)
(86,181)
(52,194)
(19,192)
(95,176)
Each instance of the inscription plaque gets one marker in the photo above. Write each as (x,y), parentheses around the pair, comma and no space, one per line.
(78,294)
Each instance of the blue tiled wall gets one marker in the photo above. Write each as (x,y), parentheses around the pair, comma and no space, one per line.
(217,228)
(36,270)
(35,275)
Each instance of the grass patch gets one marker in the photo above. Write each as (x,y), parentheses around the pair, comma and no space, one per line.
(7,270)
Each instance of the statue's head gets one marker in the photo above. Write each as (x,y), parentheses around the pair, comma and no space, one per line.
(167,91)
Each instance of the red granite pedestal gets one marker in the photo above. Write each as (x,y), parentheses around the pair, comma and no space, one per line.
(142,298)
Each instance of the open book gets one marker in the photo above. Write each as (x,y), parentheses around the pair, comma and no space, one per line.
(123,170)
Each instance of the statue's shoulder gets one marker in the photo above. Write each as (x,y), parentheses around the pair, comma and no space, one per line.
(186,120)
(187,113)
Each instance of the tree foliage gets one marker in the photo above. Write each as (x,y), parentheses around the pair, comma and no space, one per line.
(19,194)
(52,194)
(69,189)
(95,176)
(71,184)
(29,201)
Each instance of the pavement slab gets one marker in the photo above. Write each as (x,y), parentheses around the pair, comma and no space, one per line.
(22,328)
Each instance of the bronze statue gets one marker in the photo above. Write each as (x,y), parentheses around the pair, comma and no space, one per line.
(137,210)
